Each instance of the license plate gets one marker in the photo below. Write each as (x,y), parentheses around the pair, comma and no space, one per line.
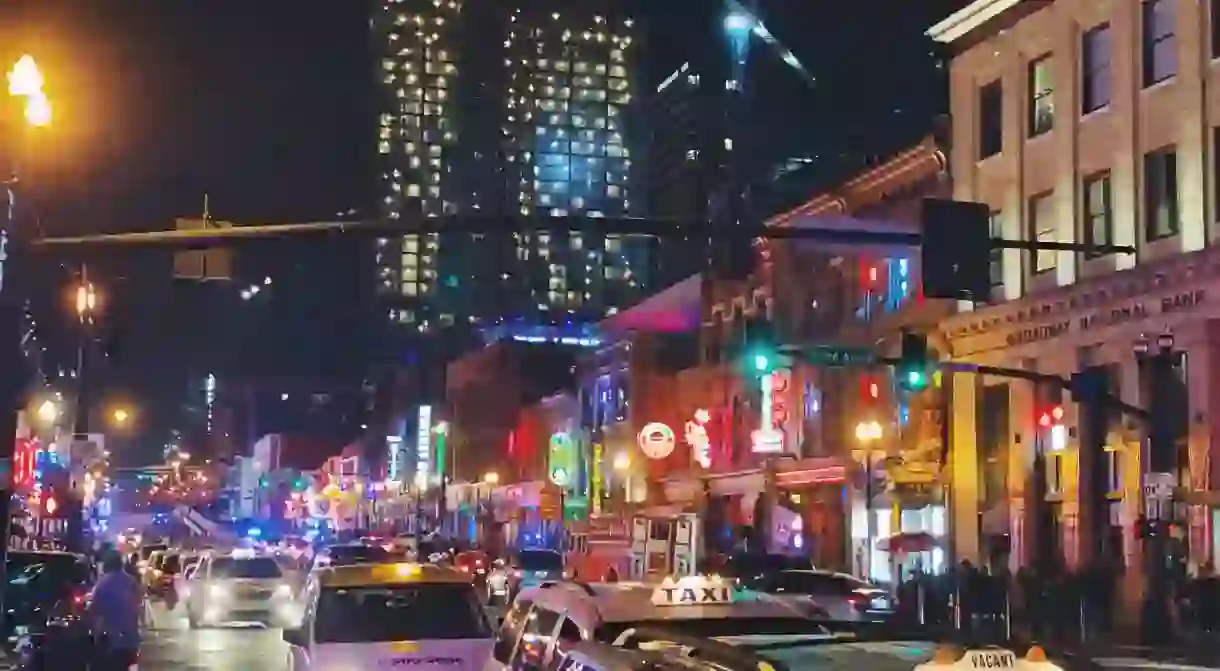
(992,659)
(881,603)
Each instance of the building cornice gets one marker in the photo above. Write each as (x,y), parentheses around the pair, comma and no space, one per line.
(907,168)
(968,19)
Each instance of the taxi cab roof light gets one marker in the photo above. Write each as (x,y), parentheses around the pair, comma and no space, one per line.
(946,654)
(360,575)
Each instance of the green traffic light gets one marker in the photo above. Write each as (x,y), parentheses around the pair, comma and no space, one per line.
(762,363)
(916,380)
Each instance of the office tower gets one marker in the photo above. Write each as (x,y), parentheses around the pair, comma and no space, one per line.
(416,143)
(514,111)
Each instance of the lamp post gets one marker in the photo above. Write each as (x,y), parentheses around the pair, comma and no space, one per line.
(25,84)
(867,434)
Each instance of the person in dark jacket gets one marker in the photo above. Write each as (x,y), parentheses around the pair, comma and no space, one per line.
(115,611)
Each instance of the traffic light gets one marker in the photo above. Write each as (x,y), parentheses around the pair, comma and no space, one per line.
(913,365)
(956,250)
(1050,417)
(760,351)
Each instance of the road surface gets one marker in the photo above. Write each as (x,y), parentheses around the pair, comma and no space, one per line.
(172,645)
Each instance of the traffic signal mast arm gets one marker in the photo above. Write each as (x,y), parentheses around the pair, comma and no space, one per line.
(489,225)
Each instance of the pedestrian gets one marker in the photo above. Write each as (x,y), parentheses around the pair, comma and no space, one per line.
(115,612)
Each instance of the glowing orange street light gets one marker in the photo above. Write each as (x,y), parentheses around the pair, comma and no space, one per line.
(25,80)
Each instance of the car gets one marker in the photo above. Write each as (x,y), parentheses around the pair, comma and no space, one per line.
(399,615)
(345,554)
(529,568)
(838,596)
(46,597)
(543,617)
(239,587)
(711,619)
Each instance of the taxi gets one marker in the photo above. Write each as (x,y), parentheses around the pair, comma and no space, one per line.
(394,615)
(546,619)
(710,618)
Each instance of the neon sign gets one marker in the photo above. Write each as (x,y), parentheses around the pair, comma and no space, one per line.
(769,437)
(697,438)
(423,445)
(656,440)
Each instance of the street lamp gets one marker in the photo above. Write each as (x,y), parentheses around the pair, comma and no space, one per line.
(25,80)
(622,462)
(120,416)
(868,433)
(86,302)
(491,478)
(48,412)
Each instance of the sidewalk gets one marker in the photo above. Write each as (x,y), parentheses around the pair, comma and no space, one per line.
(1200,651)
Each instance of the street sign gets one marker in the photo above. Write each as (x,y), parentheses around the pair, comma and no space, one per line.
(1158,486)
(839,356)
(1158,494)
(203,265)
(550,504)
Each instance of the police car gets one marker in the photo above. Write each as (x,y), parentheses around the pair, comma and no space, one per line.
(698,617)
(378,616)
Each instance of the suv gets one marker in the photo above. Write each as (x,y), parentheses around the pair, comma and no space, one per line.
(239,588)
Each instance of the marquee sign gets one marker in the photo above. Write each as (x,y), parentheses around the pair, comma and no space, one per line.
(656,440)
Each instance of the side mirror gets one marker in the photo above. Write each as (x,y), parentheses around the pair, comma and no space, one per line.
(296,637)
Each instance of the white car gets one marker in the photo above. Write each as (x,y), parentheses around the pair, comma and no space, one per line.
(240,587)
(381,616)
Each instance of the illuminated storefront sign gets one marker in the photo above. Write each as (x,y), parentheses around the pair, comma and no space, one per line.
(423,446)
(769,437)
(697,438)
(394,446)
(656,440)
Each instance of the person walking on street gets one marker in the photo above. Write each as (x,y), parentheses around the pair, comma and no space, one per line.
(115,612)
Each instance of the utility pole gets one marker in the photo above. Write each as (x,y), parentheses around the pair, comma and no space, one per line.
(1167,406)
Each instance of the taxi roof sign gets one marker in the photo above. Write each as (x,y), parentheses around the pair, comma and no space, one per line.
(401,573)
(693,591)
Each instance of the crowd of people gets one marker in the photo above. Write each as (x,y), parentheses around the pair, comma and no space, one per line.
(1057,607)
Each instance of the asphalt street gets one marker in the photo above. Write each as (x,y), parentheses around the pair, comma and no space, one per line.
(170,644)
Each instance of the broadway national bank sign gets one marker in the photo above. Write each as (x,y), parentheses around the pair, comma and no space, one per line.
(1134,311)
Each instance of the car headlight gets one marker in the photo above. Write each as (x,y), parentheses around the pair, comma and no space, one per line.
(283,592)
(218,592)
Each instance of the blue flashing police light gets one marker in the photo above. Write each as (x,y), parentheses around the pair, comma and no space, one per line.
(254,532)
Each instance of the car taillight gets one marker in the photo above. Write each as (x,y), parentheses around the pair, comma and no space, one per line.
(859,601)
(465,568)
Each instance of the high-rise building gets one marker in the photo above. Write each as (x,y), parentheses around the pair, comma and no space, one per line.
(514,111)
(416,142)
(567,100)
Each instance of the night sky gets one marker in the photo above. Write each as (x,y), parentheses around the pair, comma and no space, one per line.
(267,107)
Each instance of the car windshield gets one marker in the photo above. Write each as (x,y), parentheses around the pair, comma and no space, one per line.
(540,560)
(37,576)
(171,563)
(147,550)
(825,584)
(794,643)
(252,568)
(360,554)
(397,613)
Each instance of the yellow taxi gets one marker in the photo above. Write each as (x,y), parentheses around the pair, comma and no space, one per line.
(376,616)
